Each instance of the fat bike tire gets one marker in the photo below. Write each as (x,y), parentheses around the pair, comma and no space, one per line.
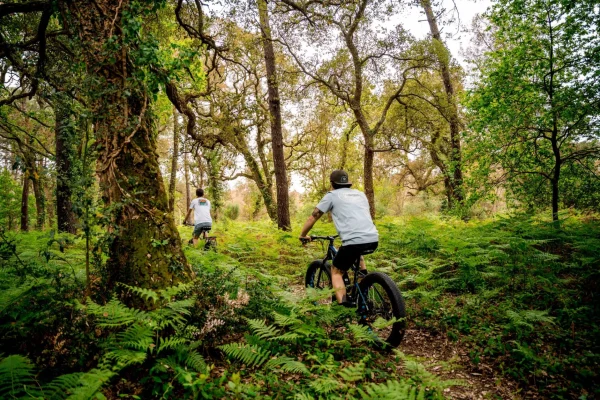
(381,298)
(318,276)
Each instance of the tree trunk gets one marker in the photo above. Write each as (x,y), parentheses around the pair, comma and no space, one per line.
(368,177)
(186,171)
(369,159)
(40,200)
(283,202)
(65,153)
(265,190)
(455,156)
(173,179)
(25,203)
(145,247)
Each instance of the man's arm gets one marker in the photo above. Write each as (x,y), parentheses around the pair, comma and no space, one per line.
(187,216)
(310,222)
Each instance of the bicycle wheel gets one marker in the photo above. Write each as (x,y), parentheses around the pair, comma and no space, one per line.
(318,276)
(381,307)
(211,243)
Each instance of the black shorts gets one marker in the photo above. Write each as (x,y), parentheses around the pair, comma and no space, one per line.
(347,255)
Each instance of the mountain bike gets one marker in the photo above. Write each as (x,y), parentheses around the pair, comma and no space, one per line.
(210,242)
(379,303)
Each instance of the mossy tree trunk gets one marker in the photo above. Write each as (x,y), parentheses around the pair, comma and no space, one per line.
(65,153)
(144,244)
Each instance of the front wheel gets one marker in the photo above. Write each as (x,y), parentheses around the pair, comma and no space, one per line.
(381,308)
(318,276)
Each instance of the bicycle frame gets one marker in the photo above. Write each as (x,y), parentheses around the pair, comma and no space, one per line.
(352,289)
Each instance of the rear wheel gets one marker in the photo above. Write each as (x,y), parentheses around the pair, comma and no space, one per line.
(381,308)
(318,276)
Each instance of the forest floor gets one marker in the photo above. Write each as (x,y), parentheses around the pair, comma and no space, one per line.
(450,361)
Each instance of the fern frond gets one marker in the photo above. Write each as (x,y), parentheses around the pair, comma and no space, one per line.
(11,295)
(182,306)
(16,376)
(124,357)
(355,372)
(91,382)
(169,343)
(61,386)
(138,337)
(391,390)
(143,293)
(195,361)
(113,314)
(362,333)
(285,320)
(303,396)
(262,330)
(288,337)
(287,364)
(173,291)
(250,355)
(326,384)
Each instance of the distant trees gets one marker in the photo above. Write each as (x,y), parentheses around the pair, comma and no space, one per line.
(536,108)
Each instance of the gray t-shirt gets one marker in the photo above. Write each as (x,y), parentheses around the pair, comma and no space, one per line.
(350,211)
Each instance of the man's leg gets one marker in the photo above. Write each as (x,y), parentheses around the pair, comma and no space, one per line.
(195,240)
(337,280)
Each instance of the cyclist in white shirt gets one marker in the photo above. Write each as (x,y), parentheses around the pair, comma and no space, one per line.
(202,218)
(350,212)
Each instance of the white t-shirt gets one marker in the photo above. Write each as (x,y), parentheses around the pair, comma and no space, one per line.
(350,211)
(201,207)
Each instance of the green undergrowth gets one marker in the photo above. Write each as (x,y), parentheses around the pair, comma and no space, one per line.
(519,293)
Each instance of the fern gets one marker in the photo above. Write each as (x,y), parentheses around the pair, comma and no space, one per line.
(362,333)
(288,337)
(303,396)
(125,357)
(250,355)
(173,291)
(286,320)
(195,361)
(262,330)
(527,318)
(138,337)
(182,306)
(169,343)
(287,364)
(355,372)
(391,390)
(13,294)
(113,314)
(16,376)
(90,383)
(326,384)
(143,293)
(61,386)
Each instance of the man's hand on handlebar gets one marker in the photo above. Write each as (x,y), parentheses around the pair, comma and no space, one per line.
(305,239)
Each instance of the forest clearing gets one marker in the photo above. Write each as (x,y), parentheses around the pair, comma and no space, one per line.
(299,199)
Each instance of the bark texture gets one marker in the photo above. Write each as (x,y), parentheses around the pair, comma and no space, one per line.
(173,178)
(283,201)
(65,152)
(145,248)
(454,178)
(25,204)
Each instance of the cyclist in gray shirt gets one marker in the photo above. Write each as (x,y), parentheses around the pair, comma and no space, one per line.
(350,211)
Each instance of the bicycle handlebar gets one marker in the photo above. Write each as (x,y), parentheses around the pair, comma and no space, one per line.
(323,237)
(312,238)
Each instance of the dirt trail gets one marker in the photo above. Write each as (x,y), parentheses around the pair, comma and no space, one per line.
(449,360)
